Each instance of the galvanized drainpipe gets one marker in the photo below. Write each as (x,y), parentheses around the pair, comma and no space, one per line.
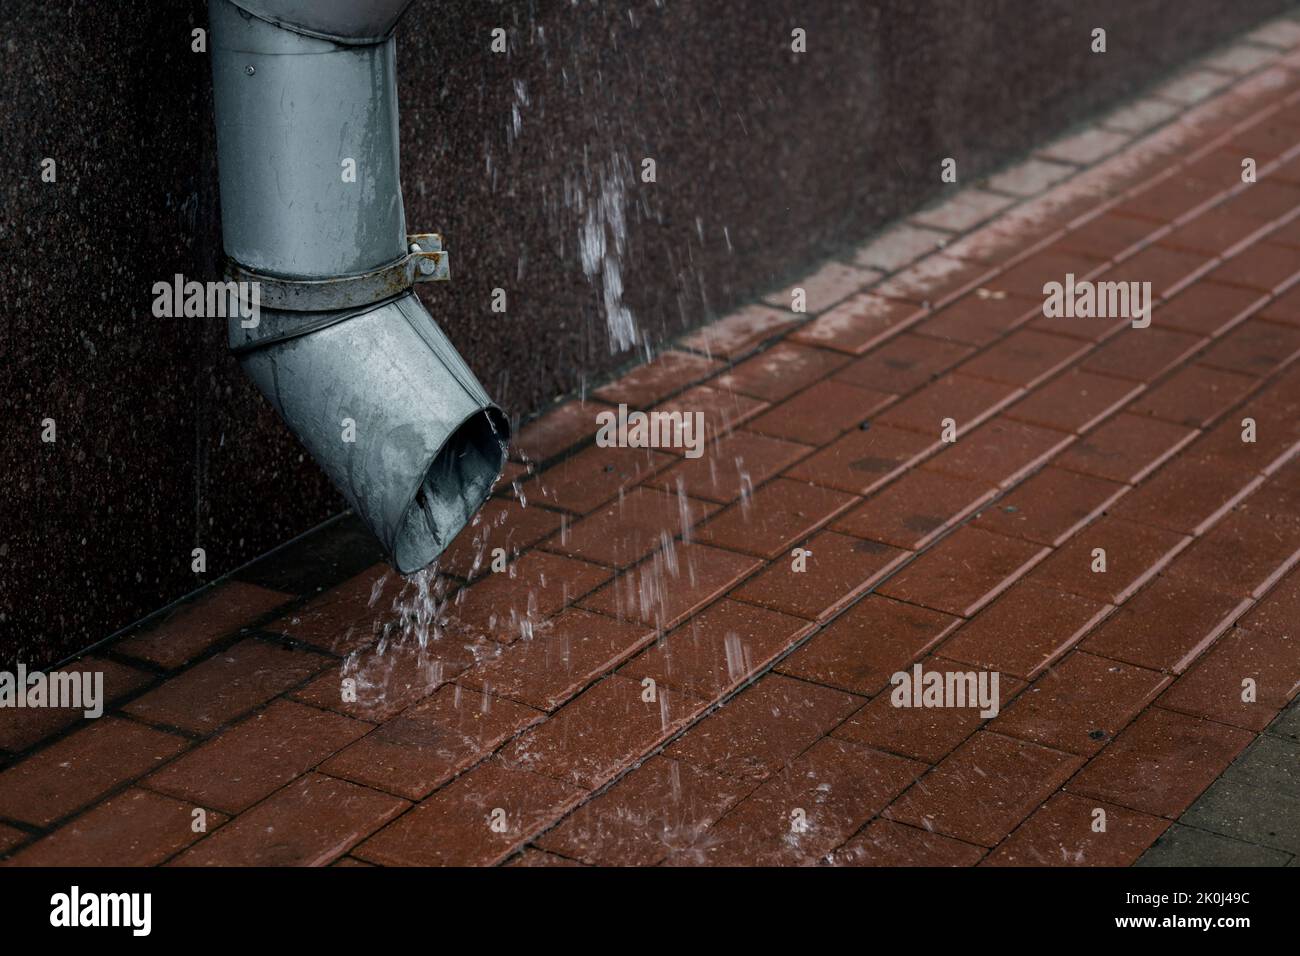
(302,90)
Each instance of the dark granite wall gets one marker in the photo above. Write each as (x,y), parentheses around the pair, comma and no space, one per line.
(766,161)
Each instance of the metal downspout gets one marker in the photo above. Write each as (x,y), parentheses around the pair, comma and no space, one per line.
(305,91)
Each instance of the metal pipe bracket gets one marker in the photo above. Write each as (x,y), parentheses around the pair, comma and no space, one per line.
(425,261)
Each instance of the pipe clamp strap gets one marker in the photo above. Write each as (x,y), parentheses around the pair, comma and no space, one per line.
(425,261)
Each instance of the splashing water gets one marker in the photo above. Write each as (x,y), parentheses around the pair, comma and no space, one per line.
(746,488)
(600,197)
(516,112)
(406,631)
(421,641)
(418,604)
(738,658)
(684,510)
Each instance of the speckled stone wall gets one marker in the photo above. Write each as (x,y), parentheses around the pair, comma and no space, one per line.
(766,161)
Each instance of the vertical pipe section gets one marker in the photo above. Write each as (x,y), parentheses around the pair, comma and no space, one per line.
(291,110)
(377,394)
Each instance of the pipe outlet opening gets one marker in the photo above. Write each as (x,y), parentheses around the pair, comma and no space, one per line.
(454,488)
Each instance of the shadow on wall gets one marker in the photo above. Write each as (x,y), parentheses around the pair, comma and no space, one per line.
(530,161)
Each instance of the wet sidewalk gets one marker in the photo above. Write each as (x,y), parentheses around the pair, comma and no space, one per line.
(639,658)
